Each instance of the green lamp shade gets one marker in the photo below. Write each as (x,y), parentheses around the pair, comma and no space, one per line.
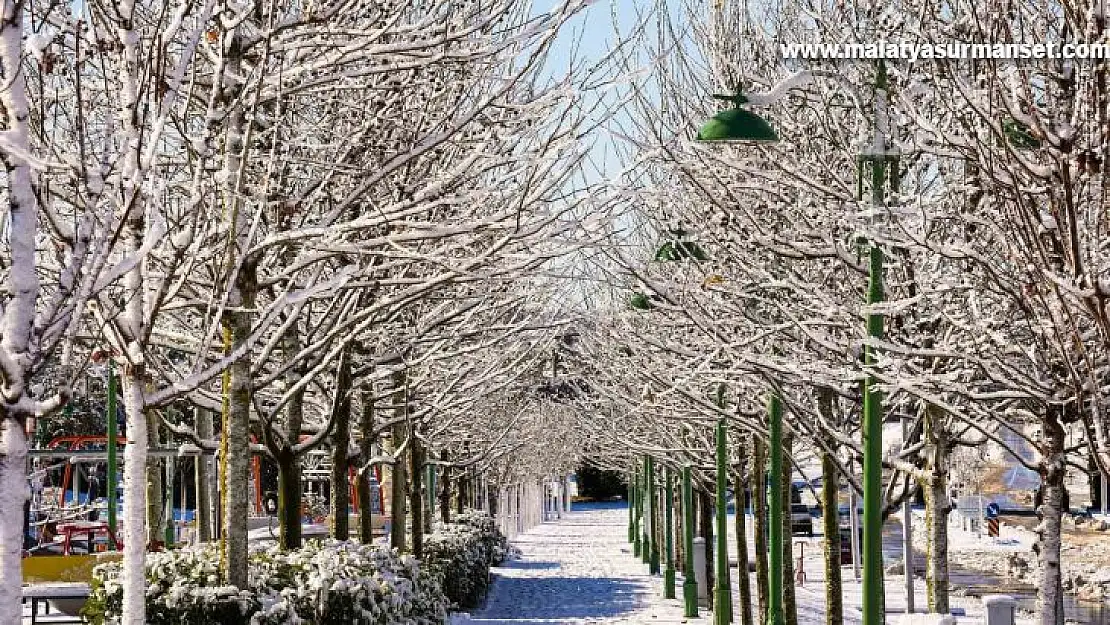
(1019,135)
(680,250)
(737,124)
(640,301)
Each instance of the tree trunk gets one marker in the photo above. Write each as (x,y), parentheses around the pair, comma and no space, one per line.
(13,495)
(705,510)
(789,603)
(341,441)
(134,499)
(154,487)
(203,478)
(134,381)
(460,496)
(830,519)
(937,507)
(237,322)
(1095,473)
(21,297)
(366,473)
(290,493)
(428,500)
(238,444)
(1050,594)
(416,495)
(743,578)
(397,469)
(445,490)
(759,503)
(289,499)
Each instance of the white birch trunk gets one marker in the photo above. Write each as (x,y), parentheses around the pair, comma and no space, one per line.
(23,288)
(937,508)
(13,494)
(1050,597)
(134,502)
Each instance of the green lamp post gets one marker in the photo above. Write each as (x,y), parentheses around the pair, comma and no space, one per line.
(638,495)
(668,571)
(722,599)
(775,580)
(645,512)
(689,582)
(739,125)
(653,514)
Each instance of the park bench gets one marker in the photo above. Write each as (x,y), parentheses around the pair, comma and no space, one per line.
(66,597)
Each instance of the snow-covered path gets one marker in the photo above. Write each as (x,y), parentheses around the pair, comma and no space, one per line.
(578,570)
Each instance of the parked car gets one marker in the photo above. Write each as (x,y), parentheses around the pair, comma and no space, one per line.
(801,521)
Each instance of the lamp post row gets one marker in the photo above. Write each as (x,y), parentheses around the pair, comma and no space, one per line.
(642,533)
(739,125)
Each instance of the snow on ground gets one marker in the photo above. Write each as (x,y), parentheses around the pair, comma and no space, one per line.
(1009,557)
(578,570)
(581,570)
(811,594)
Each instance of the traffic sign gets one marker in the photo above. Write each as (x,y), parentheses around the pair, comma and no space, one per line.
(993,510)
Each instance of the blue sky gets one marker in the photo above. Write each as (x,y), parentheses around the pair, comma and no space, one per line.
(586,39)
(592,29)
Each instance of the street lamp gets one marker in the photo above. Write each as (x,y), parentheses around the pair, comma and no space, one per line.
(681,248)
(740,125)
(736,124)
(722,595)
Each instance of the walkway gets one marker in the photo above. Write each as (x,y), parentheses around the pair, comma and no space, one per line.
(578,570)
(581,570)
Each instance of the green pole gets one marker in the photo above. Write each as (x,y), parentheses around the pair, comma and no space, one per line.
(636,507)
(722,602)
(645,497)
(668,572)
(774,578)
(873,604)
(653,514)
(112,462)
(874,611)
(689,582)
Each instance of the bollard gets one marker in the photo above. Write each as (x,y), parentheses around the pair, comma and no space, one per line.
(1000,609)
(699,570)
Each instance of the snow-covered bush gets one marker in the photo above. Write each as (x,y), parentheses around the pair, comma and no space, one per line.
(460,555)
(324,583)
(498,544)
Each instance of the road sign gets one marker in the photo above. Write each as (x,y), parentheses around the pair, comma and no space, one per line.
(993,510)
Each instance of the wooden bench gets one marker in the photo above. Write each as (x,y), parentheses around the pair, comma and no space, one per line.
(71,596)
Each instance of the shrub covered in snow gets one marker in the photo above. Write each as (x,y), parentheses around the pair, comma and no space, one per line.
(324,583)
(496,542)
(461,553)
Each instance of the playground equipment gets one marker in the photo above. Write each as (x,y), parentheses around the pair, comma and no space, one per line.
(70,552)
(70,482)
